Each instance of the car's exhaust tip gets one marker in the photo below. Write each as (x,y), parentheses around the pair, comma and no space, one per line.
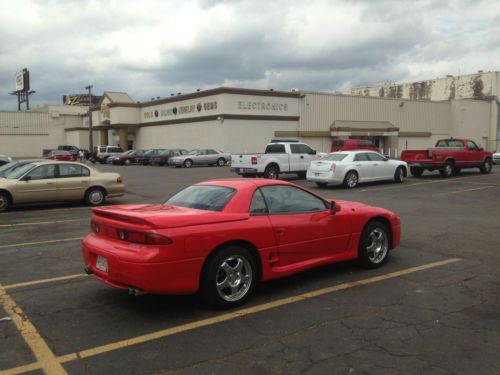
(87,270)
(136,292)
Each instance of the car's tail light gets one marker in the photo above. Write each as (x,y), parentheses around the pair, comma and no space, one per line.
(119,180)
(143,237)
(254,160)
(333,167)
(94,227)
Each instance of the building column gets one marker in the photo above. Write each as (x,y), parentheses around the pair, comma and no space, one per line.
(391,146)
(124,139)
(103,137)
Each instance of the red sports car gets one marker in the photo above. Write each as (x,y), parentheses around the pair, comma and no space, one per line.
(221,237)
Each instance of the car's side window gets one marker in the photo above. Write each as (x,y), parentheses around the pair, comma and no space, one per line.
(305,149)
(375,157)
(69,170)
(295,149)
(360,157)
(43,172)
(472,146)
(258,205)
(284,199)
(211,152)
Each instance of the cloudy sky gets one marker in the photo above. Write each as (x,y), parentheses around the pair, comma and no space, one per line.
(153,48)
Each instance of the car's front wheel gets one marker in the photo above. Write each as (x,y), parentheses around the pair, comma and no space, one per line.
(486,167)
(229,277)
(4,201)
(221,162)
(374,245)
(188,163)
(95,196)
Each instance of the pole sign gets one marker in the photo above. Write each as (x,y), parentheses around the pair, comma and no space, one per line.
(80,99)
(23,80)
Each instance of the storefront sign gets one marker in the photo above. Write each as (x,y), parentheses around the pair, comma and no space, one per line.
(181,110)
(262,106)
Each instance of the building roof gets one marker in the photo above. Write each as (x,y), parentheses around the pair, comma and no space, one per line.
(117,97)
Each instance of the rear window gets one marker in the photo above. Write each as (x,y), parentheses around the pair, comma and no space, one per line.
(334,157)
(275,149)
(203,197)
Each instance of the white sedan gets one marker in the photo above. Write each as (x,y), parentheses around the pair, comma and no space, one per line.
(496,157)
(351,167)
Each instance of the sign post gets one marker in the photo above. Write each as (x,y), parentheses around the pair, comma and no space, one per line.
(23,91)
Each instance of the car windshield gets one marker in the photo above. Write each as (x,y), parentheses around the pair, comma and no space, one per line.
(18,172)
(203,197)
(334,157)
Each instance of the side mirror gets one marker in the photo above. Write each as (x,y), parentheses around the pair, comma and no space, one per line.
(26,178)
(312,152)
(334,207)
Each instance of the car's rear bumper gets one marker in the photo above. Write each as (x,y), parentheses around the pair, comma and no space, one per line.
(176,277)
(324,177)
(244,170)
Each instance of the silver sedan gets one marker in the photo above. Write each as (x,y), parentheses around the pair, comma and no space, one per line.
(206,156)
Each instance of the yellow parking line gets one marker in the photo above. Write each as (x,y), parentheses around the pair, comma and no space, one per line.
(40,242)
(44,281)
(41,223)
(466,190)
(46,359)
(232,315)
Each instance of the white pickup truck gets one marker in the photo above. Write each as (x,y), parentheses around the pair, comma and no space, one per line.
(279,157)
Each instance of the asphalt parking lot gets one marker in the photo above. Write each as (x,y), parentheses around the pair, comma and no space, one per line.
(434,308)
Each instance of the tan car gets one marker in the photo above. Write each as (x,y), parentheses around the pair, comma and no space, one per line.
(58,181)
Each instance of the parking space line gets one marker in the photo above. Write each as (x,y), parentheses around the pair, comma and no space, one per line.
(40,242)
(46,360)
(41,223)
(44,281)
(43,211)
(448,180)
(465,190)
(238,314)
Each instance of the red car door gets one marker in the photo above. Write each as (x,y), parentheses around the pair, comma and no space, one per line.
(304,227)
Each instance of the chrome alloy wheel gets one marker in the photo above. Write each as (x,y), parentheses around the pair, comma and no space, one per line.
(96,197)
(377,246)
(448,169)
(352,180)
(234,278)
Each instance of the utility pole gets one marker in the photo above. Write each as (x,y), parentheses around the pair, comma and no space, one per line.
(91,138)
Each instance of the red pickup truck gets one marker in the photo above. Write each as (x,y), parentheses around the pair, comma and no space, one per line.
(449,157)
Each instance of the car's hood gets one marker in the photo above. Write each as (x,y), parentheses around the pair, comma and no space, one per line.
(164,216)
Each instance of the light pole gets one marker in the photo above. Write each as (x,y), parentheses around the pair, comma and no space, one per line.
(91,138)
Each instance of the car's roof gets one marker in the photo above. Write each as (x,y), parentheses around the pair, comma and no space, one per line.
(241,182)
(57,162)
(352,151)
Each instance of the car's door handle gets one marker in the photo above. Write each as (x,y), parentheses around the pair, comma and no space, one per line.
(302,156)
(280,232)
(358,165)
(49,183)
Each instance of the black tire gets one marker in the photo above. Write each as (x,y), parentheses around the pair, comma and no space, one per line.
(221,162)
(188,163)
(486,167)
(415,171)
(447,170)
(272,172)
(95,196)
(321,184)
(399,175)
(351,180)
(4,201)
(371,254)
(215,275)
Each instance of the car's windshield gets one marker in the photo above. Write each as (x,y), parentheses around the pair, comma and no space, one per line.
(334,157)
(18,172)
(203,197)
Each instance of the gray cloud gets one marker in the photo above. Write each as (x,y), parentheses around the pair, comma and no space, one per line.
(154,48)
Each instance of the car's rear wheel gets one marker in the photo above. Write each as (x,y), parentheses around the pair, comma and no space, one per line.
(399,175)
(415,171)
(374,245)
(229,277)
(4,201)
(351,179)
(272,172)
(486,167)
(447,170)
(188,163)
(95,196)
(221,162)
(128,162)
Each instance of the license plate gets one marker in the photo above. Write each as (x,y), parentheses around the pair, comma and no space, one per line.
(102,263)
(317,174)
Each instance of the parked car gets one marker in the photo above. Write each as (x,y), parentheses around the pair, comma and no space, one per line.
(164,156)
(352,167)
(353,144)
(147,157)
(73,150)
(279,157)
(5,159)
(6,168)
(127,158)
(496,157)
(102,153)
(448,157)
(207,156)
(58,181)
(61,155)
(222,237)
